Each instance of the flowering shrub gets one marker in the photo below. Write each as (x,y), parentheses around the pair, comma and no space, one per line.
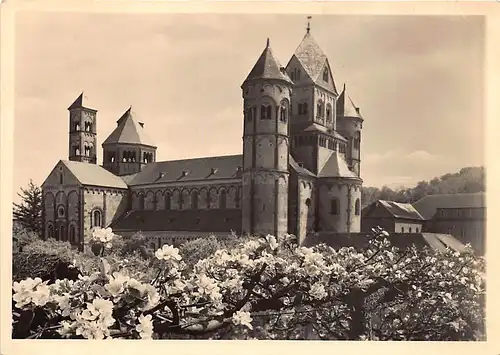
(265,288)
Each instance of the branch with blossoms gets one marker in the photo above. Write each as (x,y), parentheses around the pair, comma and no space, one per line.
(263,287)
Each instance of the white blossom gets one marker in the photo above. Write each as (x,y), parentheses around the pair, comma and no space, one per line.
(168,252)
(242,318)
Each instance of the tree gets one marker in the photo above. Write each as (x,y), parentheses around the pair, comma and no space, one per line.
(267,288)
(29,212)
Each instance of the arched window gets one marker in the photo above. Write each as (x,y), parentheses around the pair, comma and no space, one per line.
(62,234)
(357,207)
(141,201)
(265,112)
(304,108)
(328,113)
(194,199)
(72,234)
(61,178)
(168,199)
(308,202)
(334,206)
(60,211)
(96,219)
(320,112)
(283,113)
(222,199)
(77,126)
(249,114)
(325,75)
(50,231)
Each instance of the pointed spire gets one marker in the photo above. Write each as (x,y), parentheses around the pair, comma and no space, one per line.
(309,23)
(346,107)
(79,103)
(268,67)
(129,131)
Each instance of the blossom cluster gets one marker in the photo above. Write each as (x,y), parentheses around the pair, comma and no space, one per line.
(103,235)
(262,275)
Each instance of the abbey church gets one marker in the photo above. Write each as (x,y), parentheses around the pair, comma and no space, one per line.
(299,172)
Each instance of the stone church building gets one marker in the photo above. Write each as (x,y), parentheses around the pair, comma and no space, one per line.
(299,172)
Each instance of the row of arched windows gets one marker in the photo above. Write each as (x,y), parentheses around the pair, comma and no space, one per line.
(323,141)
(87,151)
(335,210)
(60,233)
(87,126)
(194,200)
(266,112)
(322,112)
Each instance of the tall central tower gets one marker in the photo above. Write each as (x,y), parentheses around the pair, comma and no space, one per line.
(266,97)
(82,132)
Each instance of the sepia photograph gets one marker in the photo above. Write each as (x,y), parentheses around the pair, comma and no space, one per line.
(219,176)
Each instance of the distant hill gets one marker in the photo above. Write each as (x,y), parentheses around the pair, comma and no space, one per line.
(467,180)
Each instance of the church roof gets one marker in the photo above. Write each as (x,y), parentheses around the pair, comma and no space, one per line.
(129,130)
(268,67)
(299,169)
(396,209)
(80,102)
(346,107)
(311,56)
(180,220)
(336,166)
(93,174)
(210,168)
(428,205)
(314,127)
(313,60)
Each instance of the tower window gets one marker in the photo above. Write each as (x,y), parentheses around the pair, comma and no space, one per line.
(320,109)
(60,211)
(265,112)
(141,202)
(283,113)
(334,206)
(62,234)
(357,207)
(325,75)
(328,113)
(249,114)
(61,178)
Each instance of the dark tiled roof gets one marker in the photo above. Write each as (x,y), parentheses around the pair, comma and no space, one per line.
(175,220)
(337,167)
(428,205)
(346,107)
(79,103)
(268,67)
(297,168)
(129,131)
(396,209)
(298,128)
(210,168)
(128,178)
(400,240)
(93,174)
(313,60)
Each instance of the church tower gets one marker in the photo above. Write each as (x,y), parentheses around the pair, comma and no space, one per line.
(349,125)
(266,101)
(312,123)
(82,132)
(128,149)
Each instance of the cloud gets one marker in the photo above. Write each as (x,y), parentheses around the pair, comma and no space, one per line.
(421,155)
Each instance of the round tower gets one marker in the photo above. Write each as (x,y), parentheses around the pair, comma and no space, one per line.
(349,125)
(266,97)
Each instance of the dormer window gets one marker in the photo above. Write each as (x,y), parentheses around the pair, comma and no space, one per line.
(213,171)
(325,75)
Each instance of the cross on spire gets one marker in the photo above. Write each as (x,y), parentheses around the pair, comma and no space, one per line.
(308,23)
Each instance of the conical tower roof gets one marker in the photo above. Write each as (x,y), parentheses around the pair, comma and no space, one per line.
(80,102)
(346,107)
(268,67)
(129,131)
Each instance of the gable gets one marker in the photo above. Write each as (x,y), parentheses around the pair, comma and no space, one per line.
(54,178)
(297,72)
(326,84)
(375,210)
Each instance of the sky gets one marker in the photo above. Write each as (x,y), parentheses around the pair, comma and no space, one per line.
(418,81)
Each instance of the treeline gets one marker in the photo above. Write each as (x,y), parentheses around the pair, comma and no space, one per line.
(467,180)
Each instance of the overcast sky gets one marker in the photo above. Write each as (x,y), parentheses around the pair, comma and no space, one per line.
(417,80)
